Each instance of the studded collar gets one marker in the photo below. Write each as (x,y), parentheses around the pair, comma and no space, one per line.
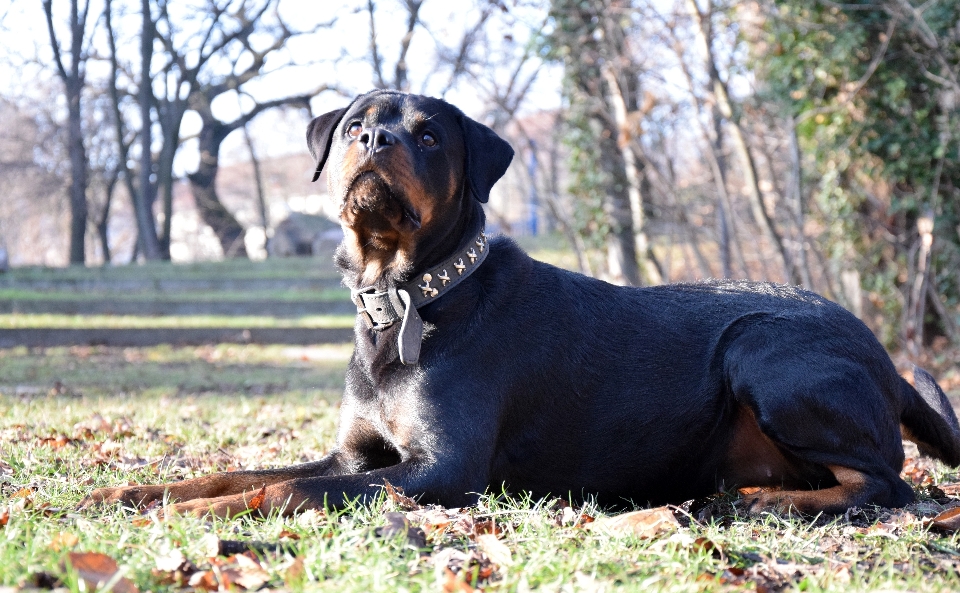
(383,309)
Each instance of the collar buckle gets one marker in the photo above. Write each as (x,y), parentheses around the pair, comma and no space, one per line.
(379,310)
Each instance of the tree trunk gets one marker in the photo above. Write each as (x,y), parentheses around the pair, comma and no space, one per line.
(258,180)
(145,196)
(73,81)
(749,169)
(621,247)
(203,184)
(633,177)
(78,174)
(171,116)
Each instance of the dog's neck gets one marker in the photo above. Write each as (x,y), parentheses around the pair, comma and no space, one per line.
(364,265)
(394,299)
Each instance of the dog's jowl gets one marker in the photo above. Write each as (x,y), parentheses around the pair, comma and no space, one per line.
(477,367)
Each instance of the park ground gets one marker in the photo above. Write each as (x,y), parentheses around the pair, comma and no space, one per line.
(73,418)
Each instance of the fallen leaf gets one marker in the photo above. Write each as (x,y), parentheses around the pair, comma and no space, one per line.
(645,524)
(396,495)
(4,516)
(63,540)
(289,534)
(295,574)
(246,572)
(453,583)
(950,489)
(257,500)
(205,579)
(948,521)
(397,524)
(702,544)
(495,549)
(171,561)
(486,527)
(98,570)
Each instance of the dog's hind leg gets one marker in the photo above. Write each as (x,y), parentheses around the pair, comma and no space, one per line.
(832,421)
(854,488)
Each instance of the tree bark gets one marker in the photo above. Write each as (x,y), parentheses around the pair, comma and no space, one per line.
(73,82)
(203,184)
(702,30)
(633,176)
(146,192)
(258,181)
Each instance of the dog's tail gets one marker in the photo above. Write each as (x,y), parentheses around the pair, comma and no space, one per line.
(928,418)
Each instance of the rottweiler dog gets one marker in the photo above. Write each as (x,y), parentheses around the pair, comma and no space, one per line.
(477,367)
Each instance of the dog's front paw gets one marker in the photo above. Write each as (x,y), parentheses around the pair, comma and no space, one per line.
(135,497)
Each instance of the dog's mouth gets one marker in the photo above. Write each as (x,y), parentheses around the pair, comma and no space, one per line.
(370,192)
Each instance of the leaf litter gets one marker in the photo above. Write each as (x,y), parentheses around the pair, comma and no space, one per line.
(465,549)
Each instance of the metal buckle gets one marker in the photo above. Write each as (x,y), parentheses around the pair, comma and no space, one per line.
(376,308)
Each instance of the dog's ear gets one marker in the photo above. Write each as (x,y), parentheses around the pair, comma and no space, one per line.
(488,157)
(320,137)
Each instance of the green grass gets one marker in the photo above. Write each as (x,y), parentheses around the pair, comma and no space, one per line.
(72,419)
(294,267)
(55,320)
(151,295)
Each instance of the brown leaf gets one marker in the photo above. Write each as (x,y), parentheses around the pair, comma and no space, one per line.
(257,500)
(702,544)
(453,583)
(486,527)
(295,574)
(289,534)
(396,495)
(62,540)
(4,516)
(647,523)
(397,524)
(204,579)
(96,570)
(495,549)
(950,489)
(948,520)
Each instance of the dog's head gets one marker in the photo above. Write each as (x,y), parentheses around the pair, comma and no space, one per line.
(408,171)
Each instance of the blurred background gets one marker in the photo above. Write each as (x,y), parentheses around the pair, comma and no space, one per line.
(799,141)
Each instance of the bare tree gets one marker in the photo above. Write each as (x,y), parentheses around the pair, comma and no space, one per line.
(703,30)
(73,78)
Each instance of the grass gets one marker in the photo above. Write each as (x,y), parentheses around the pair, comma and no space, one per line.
(151,295)
(294,267)
(56,320)
(72,419)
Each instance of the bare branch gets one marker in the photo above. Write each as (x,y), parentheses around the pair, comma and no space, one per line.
(374,51)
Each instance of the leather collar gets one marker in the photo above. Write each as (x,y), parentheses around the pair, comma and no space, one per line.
(383,309)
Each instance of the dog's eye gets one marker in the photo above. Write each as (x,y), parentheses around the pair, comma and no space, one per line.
(428,139)
(354,129)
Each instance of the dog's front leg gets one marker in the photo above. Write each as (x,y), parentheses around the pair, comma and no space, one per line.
(214,485)
(433,482)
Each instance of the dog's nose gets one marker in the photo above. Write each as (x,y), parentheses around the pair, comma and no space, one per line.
(376,139)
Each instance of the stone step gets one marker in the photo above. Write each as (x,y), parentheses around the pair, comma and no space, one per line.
(143,337)
(155,307)
(167,285)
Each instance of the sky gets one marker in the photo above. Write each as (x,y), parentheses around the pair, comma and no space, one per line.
(337,56)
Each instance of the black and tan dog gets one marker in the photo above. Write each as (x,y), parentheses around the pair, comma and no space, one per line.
(477,367)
